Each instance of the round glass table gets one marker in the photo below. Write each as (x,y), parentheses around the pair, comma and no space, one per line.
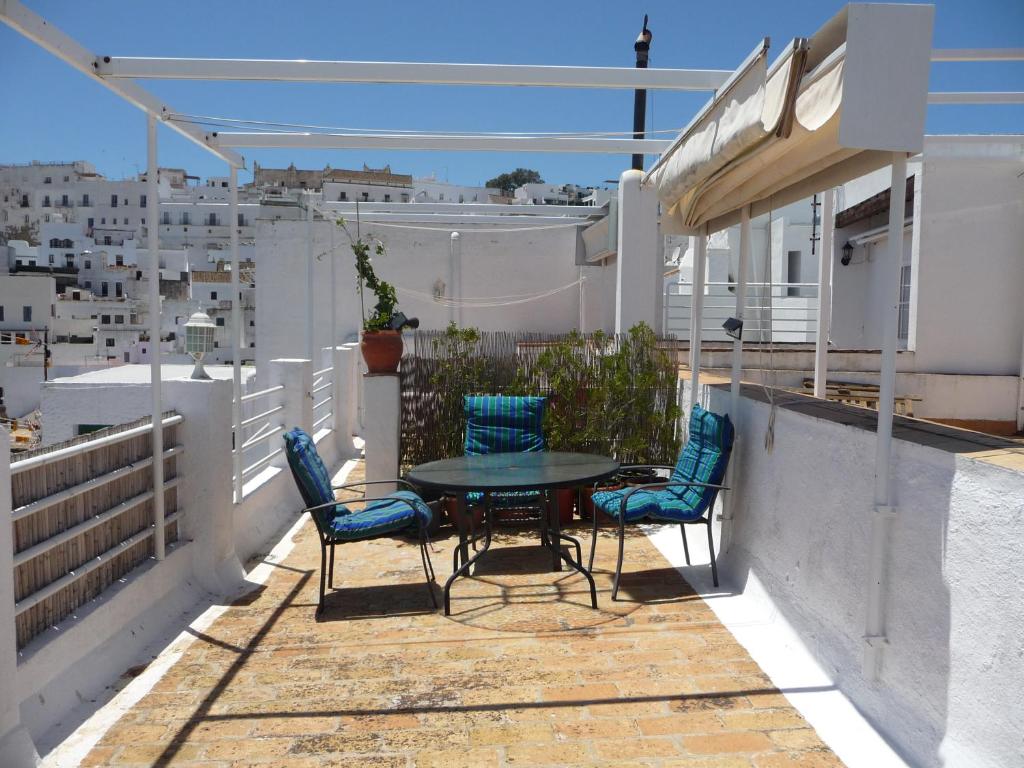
(504,472)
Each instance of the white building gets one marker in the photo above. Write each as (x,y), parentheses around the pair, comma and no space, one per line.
(430,190)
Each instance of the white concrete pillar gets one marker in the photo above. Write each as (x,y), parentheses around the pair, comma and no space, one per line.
(824,293)
(740,314)
(153,240)
(347,389)
(205,492)
(296,375)
(639,271)
(381,393)
(700,260)
(16,747)
(874,632)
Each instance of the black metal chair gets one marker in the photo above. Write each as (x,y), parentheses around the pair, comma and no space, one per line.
(399,512)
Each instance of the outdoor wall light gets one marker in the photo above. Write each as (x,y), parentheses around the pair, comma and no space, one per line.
(847,253)
(733,328)
(400,321)
(199,332)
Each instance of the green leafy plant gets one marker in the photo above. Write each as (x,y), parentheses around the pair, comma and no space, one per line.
(387,300)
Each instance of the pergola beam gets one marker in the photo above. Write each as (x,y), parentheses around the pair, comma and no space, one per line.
(621,146)
(976,97)
(116,67)
(46,35)
(978,54)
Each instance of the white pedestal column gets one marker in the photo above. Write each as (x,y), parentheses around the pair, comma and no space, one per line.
(16,747)
(382,429)
(639,266)
(296,375)
(205,492)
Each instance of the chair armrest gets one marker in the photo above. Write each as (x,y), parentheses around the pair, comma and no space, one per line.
(647,466)
(363,500)
(398,480)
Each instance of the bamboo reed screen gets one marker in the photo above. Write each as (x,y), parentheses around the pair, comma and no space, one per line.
(610,395)
(107,539)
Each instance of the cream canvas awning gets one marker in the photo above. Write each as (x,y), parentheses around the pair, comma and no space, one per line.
(775,134)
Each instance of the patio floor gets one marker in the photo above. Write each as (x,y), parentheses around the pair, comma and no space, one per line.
(523,673)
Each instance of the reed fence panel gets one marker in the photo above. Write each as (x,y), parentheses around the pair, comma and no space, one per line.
(107,489)
(610,395)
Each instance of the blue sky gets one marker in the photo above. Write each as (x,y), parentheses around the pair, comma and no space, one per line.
(53,113)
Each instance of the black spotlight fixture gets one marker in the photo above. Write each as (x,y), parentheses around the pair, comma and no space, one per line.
(733,328)
(400,321)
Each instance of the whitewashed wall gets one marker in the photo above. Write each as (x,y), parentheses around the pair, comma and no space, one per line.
(952,685)
(493,264)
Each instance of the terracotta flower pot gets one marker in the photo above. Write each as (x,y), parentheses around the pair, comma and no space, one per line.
(382,351)
(566,505)
(474,511)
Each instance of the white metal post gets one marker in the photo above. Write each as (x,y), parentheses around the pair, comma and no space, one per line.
(700,259)
(824,293)
(153,235)
(874,635)
(237,331)
(310,349)
(334,299)
(741,307)
(455,276)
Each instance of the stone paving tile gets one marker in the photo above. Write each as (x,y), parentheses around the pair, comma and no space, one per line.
(524,672)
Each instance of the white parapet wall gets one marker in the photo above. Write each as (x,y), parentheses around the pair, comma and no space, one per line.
(950,690)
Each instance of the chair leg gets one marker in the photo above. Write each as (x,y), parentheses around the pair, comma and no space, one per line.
(323,574)
(618,565)
(686,548)
(330,570)
(428,568)
(593,540)
(711,550)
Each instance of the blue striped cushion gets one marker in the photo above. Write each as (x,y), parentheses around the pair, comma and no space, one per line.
(380,517)
(311,475)
(507,498)
(638,505)
(500,424)
(704,459)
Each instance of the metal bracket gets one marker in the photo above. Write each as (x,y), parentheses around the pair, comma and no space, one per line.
(876,642)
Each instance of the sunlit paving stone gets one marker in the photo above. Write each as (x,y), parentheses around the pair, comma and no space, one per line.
(523,673)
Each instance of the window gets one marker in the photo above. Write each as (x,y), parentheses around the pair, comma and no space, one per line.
(213,295)
(64,200)
(113,201)
(241,219)
(26,314)
(442,197)
(76,296)
(366,196)
(342,196)
(185,218)
(88,264)
(85,202)
(119,260)
(118,319)
(104,288)
(251,322)
(212,220)
(67,178)
(46,201)
(904,307)
(142,201)
(119,290)
(91,222)
(405,198)
(87,285)
(793,273)
(220,322)
(106,240)
(1,312)
(103,220)
(55,242)
(69,259)
(133,319)
(387,198)
(126,221)
(51,259)
(216,344)
(47,180)
(165,218)
(110,342)
(105,319)
(24,201)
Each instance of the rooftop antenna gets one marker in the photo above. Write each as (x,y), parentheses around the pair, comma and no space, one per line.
(642,47)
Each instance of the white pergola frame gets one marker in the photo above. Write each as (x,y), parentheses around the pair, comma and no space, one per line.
(119,74)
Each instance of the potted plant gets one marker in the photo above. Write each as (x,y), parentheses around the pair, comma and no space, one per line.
(381,343)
